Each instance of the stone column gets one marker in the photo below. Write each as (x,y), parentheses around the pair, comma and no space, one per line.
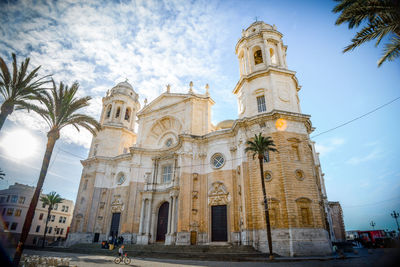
(169,215)
(267,55)
(148,217)
(142,216)
(173,221)
(122,115)
(279,46)
(249,65)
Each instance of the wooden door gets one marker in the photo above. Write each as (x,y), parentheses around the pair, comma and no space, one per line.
(114,228)
(162,222)
(219,229)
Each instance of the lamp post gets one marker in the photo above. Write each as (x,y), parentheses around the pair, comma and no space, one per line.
(373,224)
(395,215)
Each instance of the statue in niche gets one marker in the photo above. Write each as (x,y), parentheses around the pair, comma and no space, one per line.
(258,57)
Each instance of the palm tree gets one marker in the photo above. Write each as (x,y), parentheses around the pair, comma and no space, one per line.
(58,110)
(382,18)
(18,88)
(259,146)
(50,199)
(2,174)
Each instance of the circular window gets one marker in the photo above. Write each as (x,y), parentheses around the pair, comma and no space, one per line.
(267,176)
(217,160)
(168,143)
(121,179)
(299,175)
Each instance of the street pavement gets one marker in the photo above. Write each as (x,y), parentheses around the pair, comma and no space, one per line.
(378,257)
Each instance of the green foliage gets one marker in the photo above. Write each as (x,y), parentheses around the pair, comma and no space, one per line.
(381,18)
(60,106)
(2,174)
(51,199)
(259,145)
(19,87)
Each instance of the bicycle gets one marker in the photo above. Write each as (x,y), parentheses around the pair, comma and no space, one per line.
(123,258)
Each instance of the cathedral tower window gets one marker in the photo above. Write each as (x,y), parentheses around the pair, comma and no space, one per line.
(261,104)
(120,179)
(168,143)
(118,112)
(166,173)
(266,156)
(127,114)
(108,111)
(258,59)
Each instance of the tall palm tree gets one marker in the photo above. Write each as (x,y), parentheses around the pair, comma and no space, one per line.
(382,18)
(50,199)
(259,146)
(59,109)
(19,87)
(2,174)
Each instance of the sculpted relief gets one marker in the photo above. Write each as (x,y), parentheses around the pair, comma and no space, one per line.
(218,195)
(117,205)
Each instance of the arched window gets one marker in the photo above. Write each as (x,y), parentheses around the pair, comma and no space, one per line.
(118,112)
(108,111)
(127,114)
(273,56)
(258,59)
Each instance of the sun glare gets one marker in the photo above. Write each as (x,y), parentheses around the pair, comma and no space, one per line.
(19,144)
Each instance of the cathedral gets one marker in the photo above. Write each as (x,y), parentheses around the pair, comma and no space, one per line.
(180,180)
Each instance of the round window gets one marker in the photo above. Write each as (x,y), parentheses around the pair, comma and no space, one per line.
(217,160)
(168,143)
(267,176)
(121,179)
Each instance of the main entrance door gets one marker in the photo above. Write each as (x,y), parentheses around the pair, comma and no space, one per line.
(162,223)
(219,223)
(114,228)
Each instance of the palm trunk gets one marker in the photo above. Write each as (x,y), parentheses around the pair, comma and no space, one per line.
(45,229)
(260,159)
(51,140)
(5,111)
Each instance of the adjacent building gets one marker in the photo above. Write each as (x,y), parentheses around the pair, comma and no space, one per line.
(180,180)
(14,204)
(336,214)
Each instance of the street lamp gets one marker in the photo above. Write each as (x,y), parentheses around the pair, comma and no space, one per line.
(373,224)
(395,215)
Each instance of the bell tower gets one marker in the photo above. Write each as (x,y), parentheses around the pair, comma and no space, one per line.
(265,82)
(118,116)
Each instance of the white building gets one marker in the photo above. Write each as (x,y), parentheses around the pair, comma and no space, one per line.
(14,204)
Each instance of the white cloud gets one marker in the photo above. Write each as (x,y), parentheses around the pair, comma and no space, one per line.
(360,159)
(151,43)
(329,145)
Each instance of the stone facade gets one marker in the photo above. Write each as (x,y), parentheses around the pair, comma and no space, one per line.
(181,180)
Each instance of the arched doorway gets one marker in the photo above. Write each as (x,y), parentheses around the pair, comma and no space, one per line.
(162,222)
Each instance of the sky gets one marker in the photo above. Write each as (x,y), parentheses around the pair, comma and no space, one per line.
(154,43)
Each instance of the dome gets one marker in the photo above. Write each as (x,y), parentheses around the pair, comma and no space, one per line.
(123,88)
(226,124)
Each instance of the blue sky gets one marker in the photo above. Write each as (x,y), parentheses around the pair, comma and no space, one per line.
(153,43)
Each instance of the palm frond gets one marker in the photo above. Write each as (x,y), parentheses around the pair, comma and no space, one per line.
(391,50)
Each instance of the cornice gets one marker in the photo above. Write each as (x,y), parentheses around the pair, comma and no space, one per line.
(265,72)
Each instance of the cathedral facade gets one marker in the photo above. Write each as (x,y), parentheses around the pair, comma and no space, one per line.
(180,180)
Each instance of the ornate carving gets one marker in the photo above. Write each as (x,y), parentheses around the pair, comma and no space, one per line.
(195,194)
(218,195)
(117,205)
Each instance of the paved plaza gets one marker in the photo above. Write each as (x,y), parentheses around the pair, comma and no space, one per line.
(378,257)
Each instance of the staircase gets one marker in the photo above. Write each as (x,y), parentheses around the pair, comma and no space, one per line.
(211,252)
